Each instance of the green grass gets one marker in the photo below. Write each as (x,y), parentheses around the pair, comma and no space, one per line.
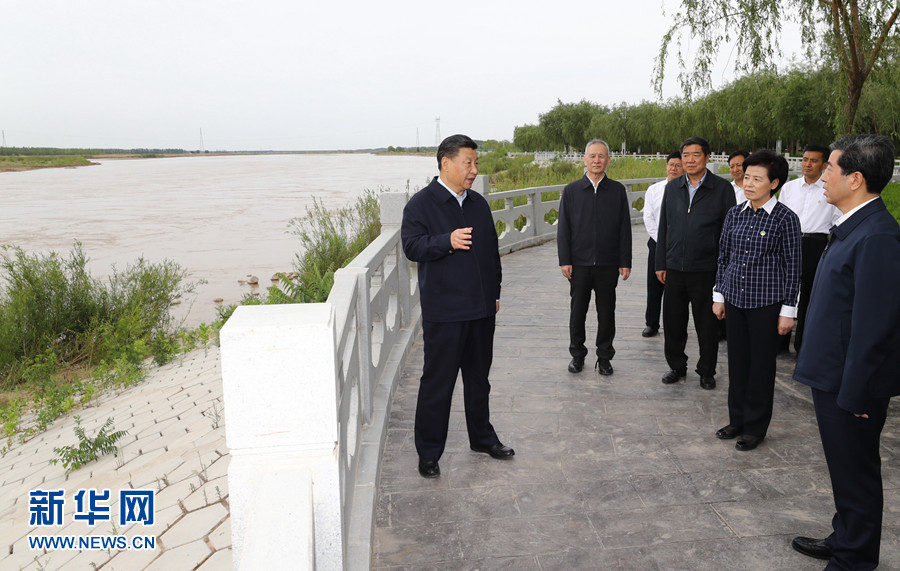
(520,172)
(891,197)
(15,163)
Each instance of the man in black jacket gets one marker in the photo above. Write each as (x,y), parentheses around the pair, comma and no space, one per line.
(448,230)
(687,251)
(594,242)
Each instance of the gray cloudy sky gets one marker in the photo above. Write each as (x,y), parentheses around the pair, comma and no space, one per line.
(311,74)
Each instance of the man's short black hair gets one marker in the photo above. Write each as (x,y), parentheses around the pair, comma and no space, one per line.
(739,153)
(776,167)
(450,147)
(704,144)
(870,155)
(673,155)
(814,148)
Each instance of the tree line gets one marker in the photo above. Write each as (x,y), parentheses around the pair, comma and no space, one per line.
(796,107)
(54,151)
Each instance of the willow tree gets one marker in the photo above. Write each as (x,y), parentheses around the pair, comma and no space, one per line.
(853,31)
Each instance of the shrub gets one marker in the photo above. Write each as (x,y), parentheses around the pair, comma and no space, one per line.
(329,239)
(89,449)
(50,305)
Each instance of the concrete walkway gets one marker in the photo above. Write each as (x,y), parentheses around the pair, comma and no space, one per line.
(617,472)
(175,445)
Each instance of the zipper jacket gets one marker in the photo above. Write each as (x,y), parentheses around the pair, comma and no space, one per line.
(594,228)
(688,236)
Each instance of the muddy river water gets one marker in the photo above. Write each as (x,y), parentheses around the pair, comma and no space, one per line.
(220,217)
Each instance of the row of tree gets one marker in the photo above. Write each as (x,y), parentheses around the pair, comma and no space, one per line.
(53,151)
(796,107)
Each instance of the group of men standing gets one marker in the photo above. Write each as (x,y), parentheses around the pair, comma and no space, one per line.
(849,312)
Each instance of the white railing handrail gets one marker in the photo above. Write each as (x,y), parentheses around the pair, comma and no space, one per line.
(347,351)
(371,318)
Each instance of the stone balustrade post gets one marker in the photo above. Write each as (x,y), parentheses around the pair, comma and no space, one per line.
(482,184)
(391,211)
(278,373)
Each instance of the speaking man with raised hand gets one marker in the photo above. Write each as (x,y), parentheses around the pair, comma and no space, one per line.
(448,230)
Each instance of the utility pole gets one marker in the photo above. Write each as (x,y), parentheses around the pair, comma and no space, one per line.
(437,131)
(201,140)
(417,139)
(4,139)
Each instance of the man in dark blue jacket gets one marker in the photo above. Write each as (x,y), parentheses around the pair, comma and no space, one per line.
(687,253)
(448,230)
(593,240)
(851,347)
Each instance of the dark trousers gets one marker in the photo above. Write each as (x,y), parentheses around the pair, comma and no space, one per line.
(602,281)
(694,289)
(655,289)
(854,464)
(449,347)
(811,248)
(753,342)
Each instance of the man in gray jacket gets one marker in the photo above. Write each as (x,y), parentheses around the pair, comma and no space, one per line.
(687,251)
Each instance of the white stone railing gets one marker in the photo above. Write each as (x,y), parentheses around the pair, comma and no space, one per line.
(307,392)
(308,389)
(533,227)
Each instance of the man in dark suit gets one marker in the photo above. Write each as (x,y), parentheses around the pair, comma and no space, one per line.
(687,255)
(850,354)
(594,245)
(448,230)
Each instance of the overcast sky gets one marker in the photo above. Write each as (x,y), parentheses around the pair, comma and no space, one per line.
(313,74)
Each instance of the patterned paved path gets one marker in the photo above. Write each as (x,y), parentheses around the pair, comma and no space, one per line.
(617,472)
(175,445)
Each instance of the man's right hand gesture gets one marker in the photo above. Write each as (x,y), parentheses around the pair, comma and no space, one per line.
(461,238)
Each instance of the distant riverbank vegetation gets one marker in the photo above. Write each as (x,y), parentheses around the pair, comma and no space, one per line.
(22,163)
(57,151)
(29,158)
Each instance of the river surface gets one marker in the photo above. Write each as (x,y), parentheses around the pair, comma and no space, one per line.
(221,217)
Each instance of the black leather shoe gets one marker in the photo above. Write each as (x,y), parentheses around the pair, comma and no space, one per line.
(708,383)
(498,451)
(673,376)
(650,331)
(603,367)
(576,364)
(812,547)
(727,432)
(429,468)
(747,442)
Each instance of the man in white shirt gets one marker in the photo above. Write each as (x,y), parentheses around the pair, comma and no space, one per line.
(736,166)
(652,202)
(805,196)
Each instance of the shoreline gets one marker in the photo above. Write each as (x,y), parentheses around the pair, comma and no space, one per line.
(23,163)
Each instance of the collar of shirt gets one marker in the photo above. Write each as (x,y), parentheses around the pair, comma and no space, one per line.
(817,184)
(459,197)
(699,184)
(769,206)
(596,184)
(847,215)
(692,190)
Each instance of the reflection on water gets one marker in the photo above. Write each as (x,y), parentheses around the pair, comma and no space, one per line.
(222,218)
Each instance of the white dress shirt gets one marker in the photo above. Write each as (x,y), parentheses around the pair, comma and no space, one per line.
(739,193)
(809,204)
(843,218)
(652,206)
